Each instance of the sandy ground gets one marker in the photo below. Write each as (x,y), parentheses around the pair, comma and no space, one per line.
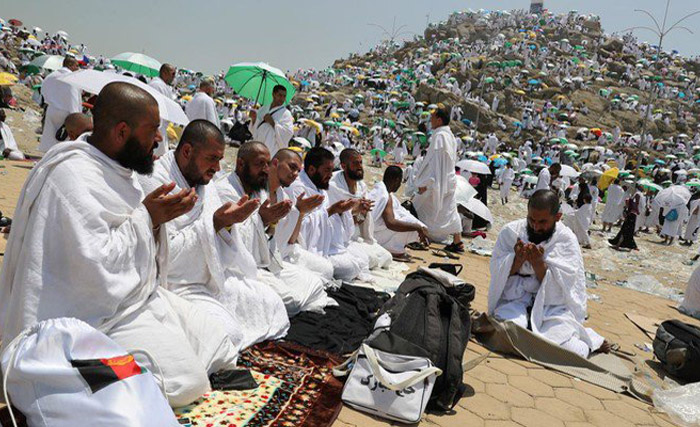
(504,390)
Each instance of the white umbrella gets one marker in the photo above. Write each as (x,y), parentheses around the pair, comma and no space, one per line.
(93,81)
(302,142)
(567,170)
(464,191)
(33,42)
(48,62)
(674,195)
(474,167)
(681,172)
(62,34)
(475,206)
(37,30)
(529,179)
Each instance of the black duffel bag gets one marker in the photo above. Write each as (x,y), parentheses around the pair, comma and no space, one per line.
(677,346)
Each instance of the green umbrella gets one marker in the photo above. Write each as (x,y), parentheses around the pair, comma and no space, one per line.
(331,123)
(693,183)
(137,63)
(255,81)
(526,171)
(489,80)
(376,151)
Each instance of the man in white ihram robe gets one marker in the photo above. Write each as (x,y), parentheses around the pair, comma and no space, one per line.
(436,182)
(214,269)
(8,145)
(614,205)
(273,124)
(358,227)
(202,106)
(62,99)
(506,181)
(541,285)
(88,243)
(284,170)
(299,288)
(690,234)
(322,230)
(163,84)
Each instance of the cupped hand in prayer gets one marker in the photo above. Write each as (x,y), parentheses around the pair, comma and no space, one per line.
(163,207)
(233,213)
(341,206)
(271,213)
(306,205)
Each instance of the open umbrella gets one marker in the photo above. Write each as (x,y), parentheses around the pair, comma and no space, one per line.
(7,79)
(474,167)
(376,151)
(674,195)
(255,81)
(93,81)
(567,170)
(464,191)
(62,34)
(137,63)
(15,22)
(47,62)
(301,142)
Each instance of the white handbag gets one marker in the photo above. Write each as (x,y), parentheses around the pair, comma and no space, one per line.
(388,385)
(63,372)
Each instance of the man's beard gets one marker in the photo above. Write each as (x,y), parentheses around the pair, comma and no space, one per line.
(356,175)
(317,179)
(133,156)
(255,184)
(537,238)
(192,175)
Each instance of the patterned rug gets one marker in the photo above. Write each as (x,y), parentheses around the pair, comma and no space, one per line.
(296,388)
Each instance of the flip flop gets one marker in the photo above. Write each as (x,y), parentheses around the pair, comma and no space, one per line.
(417,246)
(444,253)
(456,248)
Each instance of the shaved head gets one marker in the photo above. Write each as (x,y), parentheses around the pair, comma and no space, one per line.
(126,123)
(543,200)
(287,165)
(71,63)
(250,149)
(348,154)
(77,124)
(286,154)
(199,133)
(120,102)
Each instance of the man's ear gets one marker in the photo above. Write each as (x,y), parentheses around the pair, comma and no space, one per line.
(274,163)
(558,217)
(186,151)
(121,133)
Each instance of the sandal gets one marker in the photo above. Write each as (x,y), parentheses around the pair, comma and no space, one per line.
(402,258)
(417,246)
(455,247)
(444,253)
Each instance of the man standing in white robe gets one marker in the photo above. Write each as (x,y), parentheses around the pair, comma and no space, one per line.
(210,265)
(614,204)
(86,243)
(436,182)
(8,145)
(62,99)
(400,152)
(394,226)
(547,176)
(202,105)
(163,84)
(299,288)
(506,181)
(672,227)
(322,229)
(358,224)
(273,124)
(538,281)
(690,235)
(284,170)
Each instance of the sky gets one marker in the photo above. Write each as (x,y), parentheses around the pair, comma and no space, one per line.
(210,35)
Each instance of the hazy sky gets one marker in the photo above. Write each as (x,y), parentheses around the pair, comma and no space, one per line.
(209,35)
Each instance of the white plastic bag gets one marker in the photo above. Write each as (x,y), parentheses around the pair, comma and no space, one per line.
(63,372)
(681,403)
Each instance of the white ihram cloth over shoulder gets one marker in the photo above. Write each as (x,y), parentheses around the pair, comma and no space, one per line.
(62,99)
(691,299)
(293,252)
(214,270)
(614,204)
(166,90)
(323,235)
(202,107)
(7,142)
(82,246)
(392,241)
(277,137)
(299,288)
(359,238)
(437,206)
(558,303)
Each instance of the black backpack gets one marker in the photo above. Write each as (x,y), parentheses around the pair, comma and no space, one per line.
(430,320)
(239,132)
(677,346)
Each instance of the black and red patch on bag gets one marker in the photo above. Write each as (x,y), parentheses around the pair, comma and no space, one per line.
(99,373)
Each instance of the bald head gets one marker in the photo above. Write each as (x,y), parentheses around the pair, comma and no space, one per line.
(167,73)
(285,166)
(77,124)
(71,63)
(544,200)
(251,149)
(200,133)
(286,154)
(207,86)
(121,102)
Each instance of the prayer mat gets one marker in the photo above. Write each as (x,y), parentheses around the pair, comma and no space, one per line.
(604,370)
(296,388)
